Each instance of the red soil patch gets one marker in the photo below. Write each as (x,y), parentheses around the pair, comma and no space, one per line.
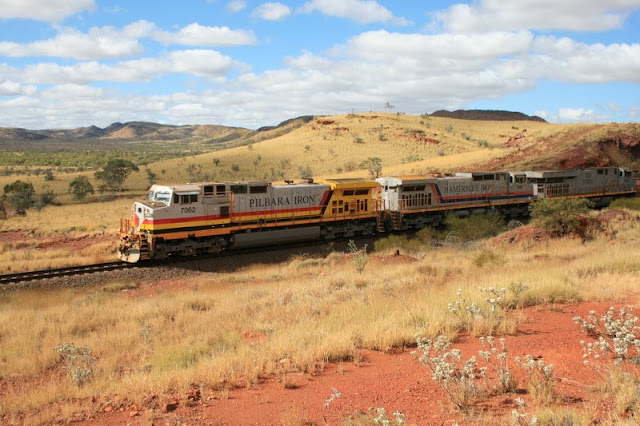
(522,235)
(395,381)
(21,239)
(75,243)
(419,137)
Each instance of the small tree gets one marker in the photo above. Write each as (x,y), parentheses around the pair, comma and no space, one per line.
(3,212)
(20,194)
(48,175)
(151,177)
(559,215)
(305,172)
(115,172)
(80,187)
(373,165)
(359,258)
(45,198)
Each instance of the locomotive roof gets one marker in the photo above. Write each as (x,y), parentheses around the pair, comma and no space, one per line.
(178,188)
(399,180)
(350,183)
(551,173)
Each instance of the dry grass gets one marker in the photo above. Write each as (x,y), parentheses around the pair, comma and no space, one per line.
(307,312)
(44,238)
(90,217)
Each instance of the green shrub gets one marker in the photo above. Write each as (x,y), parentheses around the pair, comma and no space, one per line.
(476,226)
(626,203)
(421,241)
(559,215)
(78,360)
(487,257)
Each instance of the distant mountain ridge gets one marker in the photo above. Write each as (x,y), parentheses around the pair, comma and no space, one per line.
(488,115)
(133,129)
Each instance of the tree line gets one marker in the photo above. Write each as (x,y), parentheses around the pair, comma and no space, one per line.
(21,195)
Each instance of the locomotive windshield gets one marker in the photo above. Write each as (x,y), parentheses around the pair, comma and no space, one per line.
(160,196)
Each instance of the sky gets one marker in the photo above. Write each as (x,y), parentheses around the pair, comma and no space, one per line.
(246,63)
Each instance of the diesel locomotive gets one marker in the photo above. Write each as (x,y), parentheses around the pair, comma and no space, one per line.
(210,217)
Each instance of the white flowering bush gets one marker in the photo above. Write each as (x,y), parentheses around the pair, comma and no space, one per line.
(466,311)
(78,360)
(541,378)
(381,418)
(335,393)
(495,298)
(519,417)
(478,319)
(499,359)
(458,379)
(615,337)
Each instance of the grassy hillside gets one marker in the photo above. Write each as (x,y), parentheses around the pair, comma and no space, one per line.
(337,146)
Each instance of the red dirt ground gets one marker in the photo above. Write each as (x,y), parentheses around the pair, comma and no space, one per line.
(395,381)
(21,239)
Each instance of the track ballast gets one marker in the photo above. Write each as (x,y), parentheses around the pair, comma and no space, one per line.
(63,272)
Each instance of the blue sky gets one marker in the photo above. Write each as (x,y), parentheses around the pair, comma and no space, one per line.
(249,63)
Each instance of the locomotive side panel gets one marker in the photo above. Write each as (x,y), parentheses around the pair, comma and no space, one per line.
(600,184)
(269,204)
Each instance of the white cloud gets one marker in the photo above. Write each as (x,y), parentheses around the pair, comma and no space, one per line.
(449,51)
(12,88)
(579,115)
(202,63)
(570,15)
(44,10)
(207,64)
(563,59)
(271,11)
(110,42)
(98,43)
(361,11)
(236,6)
(199,35)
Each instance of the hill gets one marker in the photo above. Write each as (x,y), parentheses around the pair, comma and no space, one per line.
(341,145)
(488,115)
(130,131)
(140,142)
(321,146)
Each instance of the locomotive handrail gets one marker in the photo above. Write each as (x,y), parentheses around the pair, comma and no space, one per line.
(125,225)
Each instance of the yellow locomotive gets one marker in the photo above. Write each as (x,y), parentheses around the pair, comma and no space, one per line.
(212,217)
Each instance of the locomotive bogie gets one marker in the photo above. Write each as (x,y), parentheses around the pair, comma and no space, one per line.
(282,236)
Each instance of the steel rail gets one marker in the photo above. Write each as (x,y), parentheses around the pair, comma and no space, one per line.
(63,272)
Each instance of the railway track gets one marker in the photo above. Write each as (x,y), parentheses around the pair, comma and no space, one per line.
(63,272)
(6,279)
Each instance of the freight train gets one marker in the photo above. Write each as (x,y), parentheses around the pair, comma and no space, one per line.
(211,217)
